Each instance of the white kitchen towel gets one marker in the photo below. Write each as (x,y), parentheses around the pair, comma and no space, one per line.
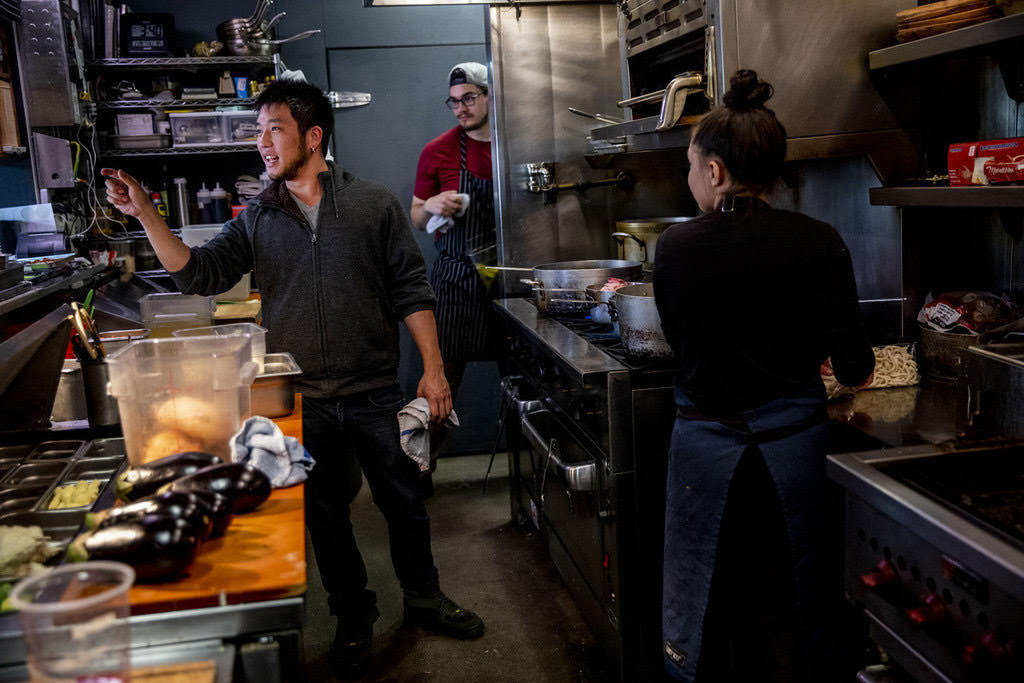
(441,224)
(414,430)
(262,444)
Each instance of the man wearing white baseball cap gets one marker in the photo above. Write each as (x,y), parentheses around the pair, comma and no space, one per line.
(454,199)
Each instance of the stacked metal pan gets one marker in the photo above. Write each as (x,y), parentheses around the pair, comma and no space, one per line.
(30,476)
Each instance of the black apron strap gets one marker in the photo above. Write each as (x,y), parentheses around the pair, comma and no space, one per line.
(750,437)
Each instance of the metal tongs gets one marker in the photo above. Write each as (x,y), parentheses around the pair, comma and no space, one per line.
(87,342)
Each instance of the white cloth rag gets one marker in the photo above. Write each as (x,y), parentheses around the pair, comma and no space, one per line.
(262,444)
(414,430)
(442,224)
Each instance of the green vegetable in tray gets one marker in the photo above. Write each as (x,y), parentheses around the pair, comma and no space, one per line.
(5,596)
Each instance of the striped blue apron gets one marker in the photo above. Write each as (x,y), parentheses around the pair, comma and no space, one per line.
(463,306)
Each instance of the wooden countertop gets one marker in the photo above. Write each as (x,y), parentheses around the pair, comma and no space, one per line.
(261,557)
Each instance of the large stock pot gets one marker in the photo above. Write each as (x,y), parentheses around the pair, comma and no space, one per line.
(639,322)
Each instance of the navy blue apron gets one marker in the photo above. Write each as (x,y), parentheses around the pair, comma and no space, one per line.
(791,435)
(463,308)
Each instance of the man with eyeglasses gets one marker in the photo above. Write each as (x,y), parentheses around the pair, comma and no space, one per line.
(453,167)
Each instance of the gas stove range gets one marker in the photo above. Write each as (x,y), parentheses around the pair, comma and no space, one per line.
(587,463)
(934,544)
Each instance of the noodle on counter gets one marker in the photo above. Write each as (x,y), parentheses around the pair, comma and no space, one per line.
(894,367)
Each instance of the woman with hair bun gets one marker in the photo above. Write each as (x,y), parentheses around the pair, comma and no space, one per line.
(752,300)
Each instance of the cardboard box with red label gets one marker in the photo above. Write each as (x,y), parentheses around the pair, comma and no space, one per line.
(987,162)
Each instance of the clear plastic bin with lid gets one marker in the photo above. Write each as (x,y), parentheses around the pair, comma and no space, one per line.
(182,394)
(257,335)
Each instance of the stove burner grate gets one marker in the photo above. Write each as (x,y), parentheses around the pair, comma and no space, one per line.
(988,487)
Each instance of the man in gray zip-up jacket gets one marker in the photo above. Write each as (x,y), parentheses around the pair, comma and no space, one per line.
(337,268)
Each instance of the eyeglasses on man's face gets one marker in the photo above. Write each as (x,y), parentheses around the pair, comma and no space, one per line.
(469,99)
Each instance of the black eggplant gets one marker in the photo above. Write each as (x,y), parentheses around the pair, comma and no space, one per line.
(157,547)
(144,480)
(246,486)
(219,507)
(179,505)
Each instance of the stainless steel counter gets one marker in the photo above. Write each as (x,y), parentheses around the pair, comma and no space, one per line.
(580,355)
(906,416)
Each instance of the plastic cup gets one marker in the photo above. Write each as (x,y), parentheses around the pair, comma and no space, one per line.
(75,620)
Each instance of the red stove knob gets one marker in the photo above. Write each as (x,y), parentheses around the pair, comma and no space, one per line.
(931,610)
(883,575)
(987,651)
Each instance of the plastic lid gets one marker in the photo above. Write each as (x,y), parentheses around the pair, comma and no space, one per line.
(203,192)
(218,191)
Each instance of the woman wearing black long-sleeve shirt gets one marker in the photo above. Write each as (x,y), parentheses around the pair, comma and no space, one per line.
(752,300)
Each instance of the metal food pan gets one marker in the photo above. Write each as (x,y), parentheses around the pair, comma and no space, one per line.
(103,469)
(272,393)
(59,525)
(14,453)
(36,473)
(18,498)
(54,450)
(104,448)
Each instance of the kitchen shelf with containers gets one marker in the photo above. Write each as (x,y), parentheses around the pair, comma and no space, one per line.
(989,173)
(179,105)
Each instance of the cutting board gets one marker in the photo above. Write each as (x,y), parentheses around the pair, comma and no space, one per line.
(261,557)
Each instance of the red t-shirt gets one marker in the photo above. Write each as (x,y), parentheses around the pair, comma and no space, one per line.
(438,169)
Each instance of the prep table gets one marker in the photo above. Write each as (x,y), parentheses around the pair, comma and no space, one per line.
(244,595)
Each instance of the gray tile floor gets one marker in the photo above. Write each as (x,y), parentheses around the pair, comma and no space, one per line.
(534,630)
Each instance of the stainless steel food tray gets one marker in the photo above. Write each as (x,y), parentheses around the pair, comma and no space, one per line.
(272,393)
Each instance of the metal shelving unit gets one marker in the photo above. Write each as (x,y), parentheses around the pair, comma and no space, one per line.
(178,151)
(136,104)
(194,62)
(998,197)
(978,35)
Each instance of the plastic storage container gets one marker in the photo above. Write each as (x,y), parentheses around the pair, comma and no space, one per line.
(198,235)
(181,394)
(168,311)
(240,127)
(256,334)
(197,128)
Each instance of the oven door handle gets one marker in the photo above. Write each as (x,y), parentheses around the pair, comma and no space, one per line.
(576,476)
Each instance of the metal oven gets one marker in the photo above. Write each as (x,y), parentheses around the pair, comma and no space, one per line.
(587,457)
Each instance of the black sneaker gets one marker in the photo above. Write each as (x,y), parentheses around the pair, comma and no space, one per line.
(440,614)
(350,655)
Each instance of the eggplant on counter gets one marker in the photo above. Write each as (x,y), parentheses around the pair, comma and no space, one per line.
(156,546)
(245,486)
(144,480)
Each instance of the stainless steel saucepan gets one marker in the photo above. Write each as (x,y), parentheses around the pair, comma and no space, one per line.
(561,288)
(639,322)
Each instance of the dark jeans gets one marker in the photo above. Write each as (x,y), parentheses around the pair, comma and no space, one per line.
(344,435)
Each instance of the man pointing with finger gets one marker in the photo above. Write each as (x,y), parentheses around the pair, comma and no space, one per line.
(337,268)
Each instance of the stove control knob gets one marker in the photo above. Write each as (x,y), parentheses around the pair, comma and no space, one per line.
(932,610)
(986,652)
(882,576)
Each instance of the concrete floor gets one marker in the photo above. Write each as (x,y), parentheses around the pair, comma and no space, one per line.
(534,630)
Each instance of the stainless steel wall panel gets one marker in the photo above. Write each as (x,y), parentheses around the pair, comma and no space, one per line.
(543,62)
(52,98)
